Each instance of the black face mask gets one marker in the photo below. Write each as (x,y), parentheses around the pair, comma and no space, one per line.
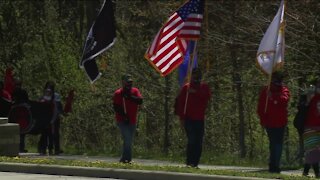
(196,81)
(277,82)
(128,85)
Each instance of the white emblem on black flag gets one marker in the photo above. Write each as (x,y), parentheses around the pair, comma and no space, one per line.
(101,37)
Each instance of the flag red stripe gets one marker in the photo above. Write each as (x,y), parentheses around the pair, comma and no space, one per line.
(170,44)
(195,28)
(171,57)
(175,64)
(162,55)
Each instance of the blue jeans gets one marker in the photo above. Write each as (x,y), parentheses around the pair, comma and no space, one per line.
(127,132)
(275,136)
(195,132)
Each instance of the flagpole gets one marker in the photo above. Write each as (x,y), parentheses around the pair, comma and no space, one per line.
(190,67)
(123,100)
(268,89)
(273,59)
(124,105)
(206,35)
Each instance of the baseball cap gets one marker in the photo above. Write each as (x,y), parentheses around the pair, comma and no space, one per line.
(127,78)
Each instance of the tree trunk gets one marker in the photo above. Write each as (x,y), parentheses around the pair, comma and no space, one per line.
(239,97)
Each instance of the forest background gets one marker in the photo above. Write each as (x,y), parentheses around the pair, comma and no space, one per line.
(43,40)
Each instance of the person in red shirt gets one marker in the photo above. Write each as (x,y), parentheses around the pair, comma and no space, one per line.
(5,102)
(192,102)
(311,135)
(126,101)
(20,100)
(274,117)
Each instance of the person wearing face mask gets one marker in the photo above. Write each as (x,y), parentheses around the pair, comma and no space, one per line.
(311,134)
(192,102)
(126,101)
(50,137)
(274,117)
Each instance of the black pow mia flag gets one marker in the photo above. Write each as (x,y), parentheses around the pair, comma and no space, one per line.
(101,37)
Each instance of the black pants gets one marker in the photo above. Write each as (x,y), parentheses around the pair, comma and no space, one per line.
(315,169)
(46,141)
(195,131)
(56,136)
(22,143)
(275,136)
(50,138)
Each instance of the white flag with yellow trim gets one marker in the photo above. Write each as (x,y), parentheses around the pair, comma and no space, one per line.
(270,55)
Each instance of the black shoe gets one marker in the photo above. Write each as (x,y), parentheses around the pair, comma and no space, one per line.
(192,166)
(125,161)
(42,152)
(274,168)
(58,152)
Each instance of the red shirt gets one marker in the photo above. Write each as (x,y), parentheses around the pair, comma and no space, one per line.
(197,102)
(276,115)
(4,108)
(313,116)
(131,107)
(5,95)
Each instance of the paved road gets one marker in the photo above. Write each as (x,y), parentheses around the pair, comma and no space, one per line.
(24,176)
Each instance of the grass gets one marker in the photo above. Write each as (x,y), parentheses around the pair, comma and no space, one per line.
(101,164)
(172,156)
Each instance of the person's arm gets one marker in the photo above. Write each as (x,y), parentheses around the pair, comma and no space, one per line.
(283,97)
(119,109)
(134,97)
(261,107)
(181,99)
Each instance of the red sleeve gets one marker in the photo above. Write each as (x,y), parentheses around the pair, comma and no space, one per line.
(8,81)
(284,96)
(6,95)
(69,102)
(181,102)
(117,98)
(137,93)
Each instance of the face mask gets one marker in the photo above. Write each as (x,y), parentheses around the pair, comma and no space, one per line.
(277,82)
(128,85)
(196,81)
(47,98)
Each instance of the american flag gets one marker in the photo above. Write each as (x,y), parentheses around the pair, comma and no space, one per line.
(168,47)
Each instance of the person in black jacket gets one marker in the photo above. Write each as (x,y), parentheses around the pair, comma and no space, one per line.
(50,137)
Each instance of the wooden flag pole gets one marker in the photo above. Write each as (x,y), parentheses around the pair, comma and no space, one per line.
(268,89)
(123,100)
(124,105)
(273,63)
(206,23)
(190,67)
